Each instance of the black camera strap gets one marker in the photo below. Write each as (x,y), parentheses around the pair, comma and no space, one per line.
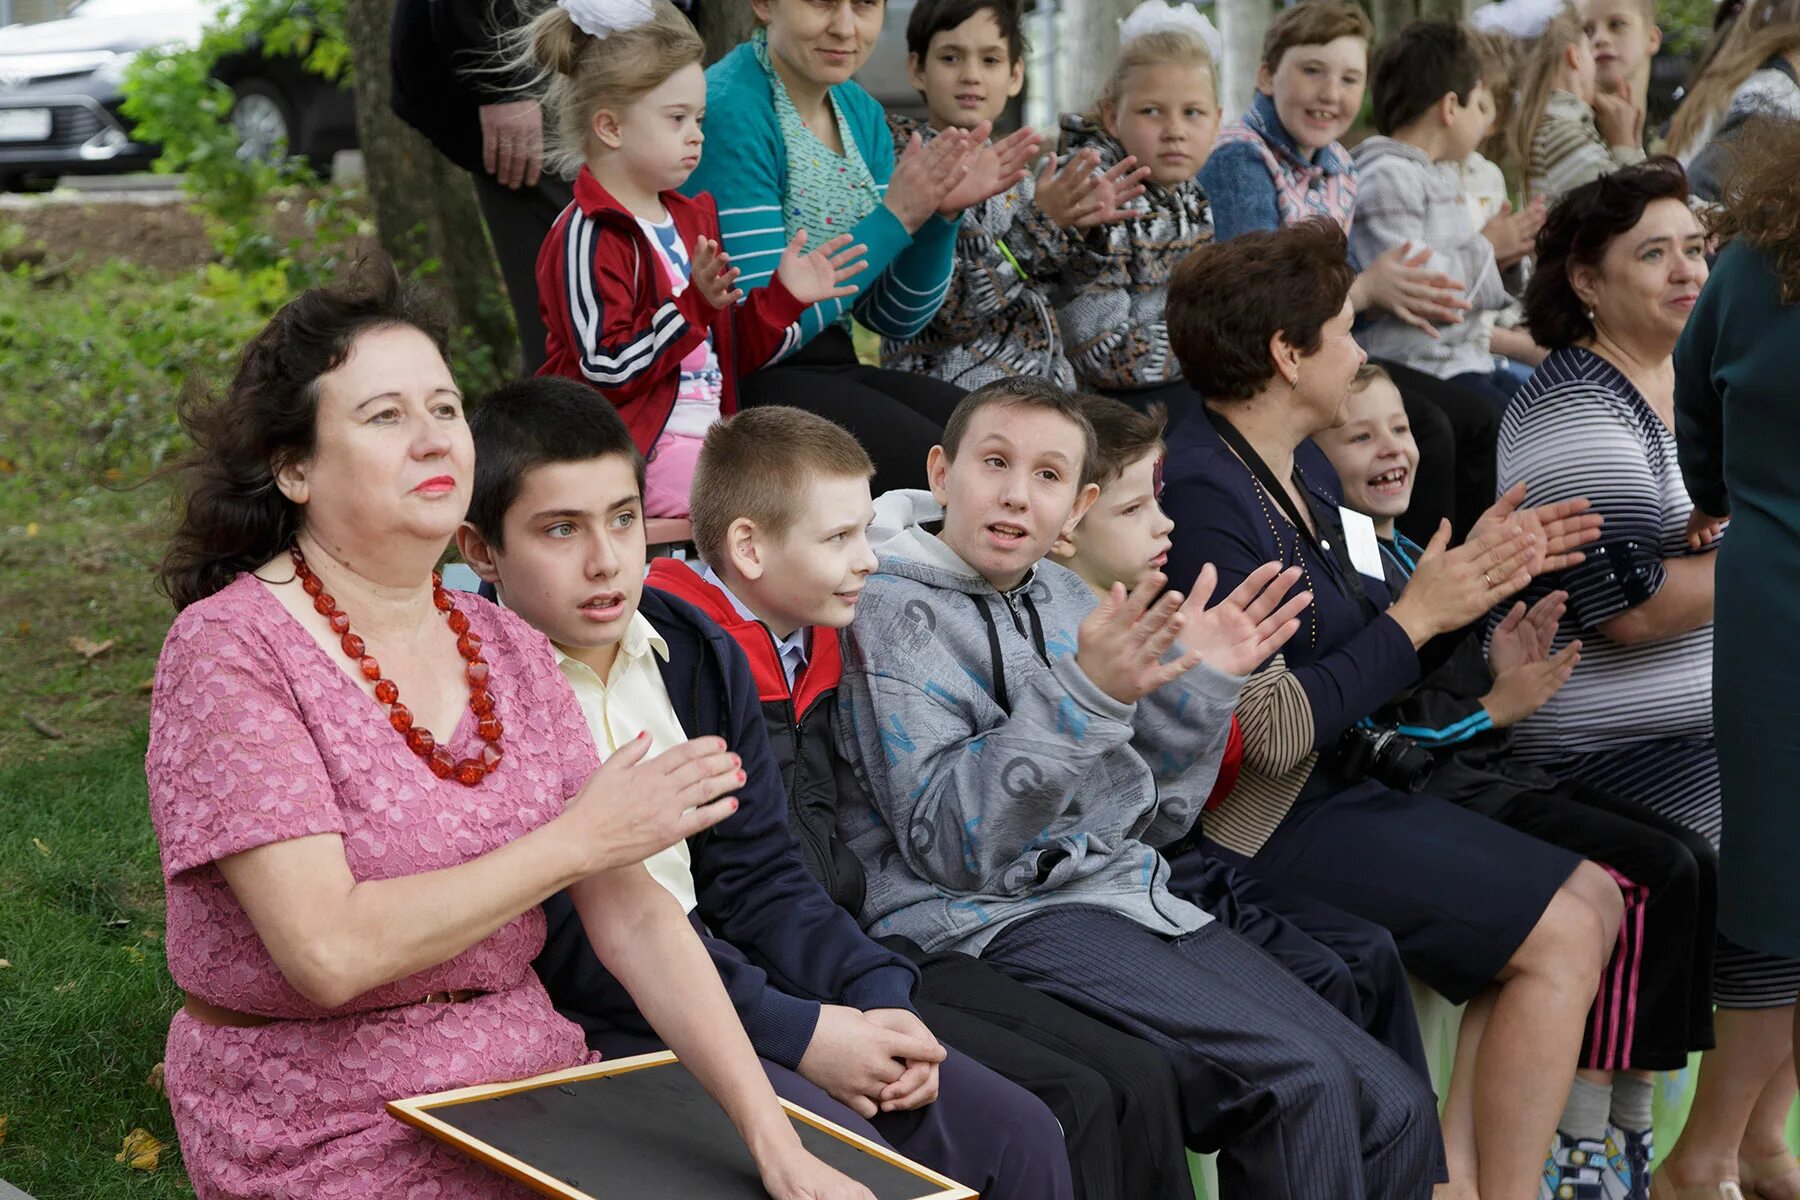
(1330,551)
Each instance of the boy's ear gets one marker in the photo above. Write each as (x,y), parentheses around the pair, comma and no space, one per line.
(1652,40)
(1447,107)
(937,475)
(1063,548)
(1265,79)
(742,549)
(915,72)
(606,128)
(477,553)
(1083,502)
(1015,82)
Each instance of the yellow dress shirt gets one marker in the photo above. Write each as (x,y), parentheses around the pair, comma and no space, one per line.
(633,700)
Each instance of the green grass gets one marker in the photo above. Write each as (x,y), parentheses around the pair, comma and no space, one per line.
(85,1003)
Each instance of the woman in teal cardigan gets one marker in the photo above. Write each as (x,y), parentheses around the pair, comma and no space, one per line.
(1737,430)
(792,143)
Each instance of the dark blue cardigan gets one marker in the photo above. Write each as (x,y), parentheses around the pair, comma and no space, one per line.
(781,945)
(1348,665)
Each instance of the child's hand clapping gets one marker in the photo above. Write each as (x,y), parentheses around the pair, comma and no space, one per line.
(714,275)
(1072,194)
(1240,632)
(820,275)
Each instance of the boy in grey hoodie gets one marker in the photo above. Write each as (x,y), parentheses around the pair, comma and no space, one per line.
(1433,110)
(1027,748)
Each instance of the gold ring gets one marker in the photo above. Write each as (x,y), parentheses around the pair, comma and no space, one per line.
(1485,579)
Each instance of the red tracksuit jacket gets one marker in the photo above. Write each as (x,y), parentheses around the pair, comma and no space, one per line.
(614,321)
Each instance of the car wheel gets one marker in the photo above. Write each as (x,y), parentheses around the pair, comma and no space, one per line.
(263,119)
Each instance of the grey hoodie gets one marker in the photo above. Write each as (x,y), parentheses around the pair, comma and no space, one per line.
(973,815)
(1403,196)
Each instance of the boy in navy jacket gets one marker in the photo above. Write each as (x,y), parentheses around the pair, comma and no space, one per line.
(782,538)
(556,524)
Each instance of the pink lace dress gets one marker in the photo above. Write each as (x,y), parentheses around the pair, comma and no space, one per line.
(257,736)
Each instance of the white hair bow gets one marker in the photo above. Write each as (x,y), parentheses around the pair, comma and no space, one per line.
(599,18)
(1155,16)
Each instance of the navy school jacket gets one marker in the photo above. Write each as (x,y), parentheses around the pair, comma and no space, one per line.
(782,946)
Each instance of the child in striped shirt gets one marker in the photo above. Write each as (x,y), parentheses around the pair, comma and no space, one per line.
(1567,131)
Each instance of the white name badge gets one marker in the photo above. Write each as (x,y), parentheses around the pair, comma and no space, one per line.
(1365,550)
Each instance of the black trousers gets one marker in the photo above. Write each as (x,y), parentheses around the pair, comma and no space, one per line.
(1655,998)
(1300,1103)
(1457,430)
(1352,963)
(898,417)
(1116,1096)
(518,220)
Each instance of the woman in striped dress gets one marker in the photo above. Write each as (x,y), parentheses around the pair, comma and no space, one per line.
(1621,263)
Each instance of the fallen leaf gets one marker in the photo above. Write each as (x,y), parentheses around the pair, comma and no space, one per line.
(4,964)
(42,849)
(113,474)
(141,1150)
(135,953)
(24,628)
(63,989)
(155,1081)
(7,466)
(149,685)
(2,1129)
(91,650)
(31,529)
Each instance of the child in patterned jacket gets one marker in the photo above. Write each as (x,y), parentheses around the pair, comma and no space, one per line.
(1018,254)
(1161,107)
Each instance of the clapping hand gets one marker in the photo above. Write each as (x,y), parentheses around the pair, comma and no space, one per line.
(1400,282)
(1075,194)
(995,167)
(926,172)
(1120,645)
(1526,674)
(1450,588)
(1514,234)
(1556,531)
(820,274)
(714,275)
(1240,632)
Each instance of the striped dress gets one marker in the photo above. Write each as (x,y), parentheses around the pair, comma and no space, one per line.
(1634,720)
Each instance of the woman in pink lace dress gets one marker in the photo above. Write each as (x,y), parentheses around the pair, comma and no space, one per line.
(349,925)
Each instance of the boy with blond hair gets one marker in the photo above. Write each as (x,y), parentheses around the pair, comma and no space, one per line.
(784,557)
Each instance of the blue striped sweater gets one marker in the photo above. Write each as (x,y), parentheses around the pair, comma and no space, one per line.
(745,167)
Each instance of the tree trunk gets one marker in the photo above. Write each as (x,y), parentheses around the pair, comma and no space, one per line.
(723,24)
(1242,24)
(1088,40)
(425,211)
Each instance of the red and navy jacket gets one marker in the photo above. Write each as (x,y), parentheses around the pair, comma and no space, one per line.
(612,317)
(801,723)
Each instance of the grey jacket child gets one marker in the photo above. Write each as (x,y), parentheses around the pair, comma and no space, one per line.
(990,795)
(1403,196)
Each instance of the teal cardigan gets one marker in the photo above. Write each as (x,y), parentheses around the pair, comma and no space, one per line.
(745,167)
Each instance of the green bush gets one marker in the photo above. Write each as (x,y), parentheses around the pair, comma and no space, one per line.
(175,101)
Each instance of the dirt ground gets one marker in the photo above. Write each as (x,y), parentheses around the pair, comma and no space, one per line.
(166,236)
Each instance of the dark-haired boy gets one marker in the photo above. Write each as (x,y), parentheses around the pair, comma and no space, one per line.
(1027,750)
(1351,962)
(1019,254)
(1433,109)
(556,524)
(784,555)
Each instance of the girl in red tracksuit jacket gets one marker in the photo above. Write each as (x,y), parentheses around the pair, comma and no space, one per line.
(636,294)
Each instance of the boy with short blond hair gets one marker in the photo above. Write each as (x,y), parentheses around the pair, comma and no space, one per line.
(556,524)
(1026,750)
(781,535)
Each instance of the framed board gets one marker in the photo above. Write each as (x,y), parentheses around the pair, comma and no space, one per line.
(640,1128)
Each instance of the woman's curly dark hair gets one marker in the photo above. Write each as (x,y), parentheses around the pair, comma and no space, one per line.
(1761,201)
(1578,231)
(232,517)
(1227,299)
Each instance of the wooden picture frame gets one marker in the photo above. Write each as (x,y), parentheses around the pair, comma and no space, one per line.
(422,1112)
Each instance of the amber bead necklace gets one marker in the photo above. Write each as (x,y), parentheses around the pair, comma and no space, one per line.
(468,771)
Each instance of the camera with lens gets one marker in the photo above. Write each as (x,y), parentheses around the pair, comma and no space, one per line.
(1385,755)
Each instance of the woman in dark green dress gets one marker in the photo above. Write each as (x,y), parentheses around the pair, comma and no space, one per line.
(1737,423)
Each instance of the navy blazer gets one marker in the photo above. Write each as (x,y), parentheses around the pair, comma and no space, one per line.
(1348,664)
(781,944)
